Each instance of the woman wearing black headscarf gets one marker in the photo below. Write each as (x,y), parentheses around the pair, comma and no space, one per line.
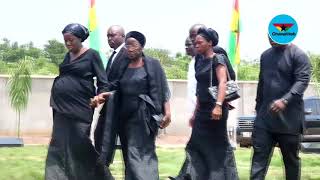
(71,155)
(144,98)
(209,155)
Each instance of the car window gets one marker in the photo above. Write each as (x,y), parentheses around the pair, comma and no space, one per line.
(317,102)
(311,104)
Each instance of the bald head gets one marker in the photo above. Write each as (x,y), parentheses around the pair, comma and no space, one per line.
(189,47)
(115,36)
(193,31)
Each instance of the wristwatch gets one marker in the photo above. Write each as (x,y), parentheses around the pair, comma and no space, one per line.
(284,101)
(219,103)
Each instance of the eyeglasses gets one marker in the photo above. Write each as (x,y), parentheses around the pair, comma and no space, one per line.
(132,46)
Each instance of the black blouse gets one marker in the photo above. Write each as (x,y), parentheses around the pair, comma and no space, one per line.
(73,88)
(202,69)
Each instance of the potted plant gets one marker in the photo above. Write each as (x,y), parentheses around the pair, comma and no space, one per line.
(19,85)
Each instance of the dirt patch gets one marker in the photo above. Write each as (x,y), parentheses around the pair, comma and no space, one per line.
(162,140)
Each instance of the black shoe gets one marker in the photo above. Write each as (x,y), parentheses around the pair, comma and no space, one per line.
(185,177)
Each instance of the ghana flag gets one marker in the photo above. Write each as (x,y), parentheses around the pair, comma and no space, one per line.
(94,38)
(234,48)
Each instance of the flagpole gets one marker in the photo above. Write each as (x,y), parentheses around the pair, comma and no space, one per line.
(234,52)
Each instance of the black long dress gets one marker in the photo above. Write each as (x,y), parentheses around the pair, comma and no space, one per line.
(71,155)
(138,142)
(209,155)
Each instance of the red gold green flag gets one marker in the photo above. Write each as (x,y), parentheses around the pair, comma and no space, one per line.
(234,46)
(94,38)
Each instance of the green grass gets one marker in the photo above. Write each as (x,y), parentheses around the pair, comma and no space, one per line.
(27,163)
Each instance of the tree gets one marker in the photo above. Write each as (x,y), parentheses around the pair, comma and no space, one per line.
(5,44)
(248,71)
(161,54)
(315,73)
(43,66)
(178,68)
(13,52)
(20,87)
(179,54)
(55,51)
(32,51)
(175,68)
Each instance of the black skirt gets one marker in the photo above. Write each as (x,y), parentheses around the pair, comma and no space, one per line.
(209,154)
(71,155)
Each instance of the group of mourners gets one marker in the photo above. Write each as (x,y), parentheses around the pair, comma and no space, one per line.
(136,102)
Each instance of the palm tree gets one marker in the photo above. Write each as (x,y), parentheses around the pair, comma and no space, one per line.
(20,87)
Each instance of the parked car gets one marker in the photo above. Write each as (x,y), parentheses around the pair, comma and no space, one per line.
(312,124)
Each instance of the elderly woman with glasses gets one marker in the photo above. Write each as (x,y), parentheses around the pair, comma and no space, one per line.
(144,107)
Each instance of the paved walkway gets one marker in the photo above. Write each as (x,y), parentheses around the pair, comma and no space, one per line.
(162,140)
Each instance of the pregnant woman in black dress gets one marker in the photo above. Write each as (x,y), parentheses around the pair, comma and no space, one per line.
(71,155)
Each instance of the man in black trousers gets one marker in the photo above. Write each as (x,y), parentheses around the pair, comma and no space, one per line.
(106,133)
(284,76)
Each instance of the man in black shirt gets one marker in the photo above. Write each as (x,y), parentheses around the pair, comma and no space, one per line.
(284,76)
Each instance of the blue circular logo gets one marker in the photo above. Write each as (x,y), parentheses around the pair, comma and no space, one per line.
(283,29)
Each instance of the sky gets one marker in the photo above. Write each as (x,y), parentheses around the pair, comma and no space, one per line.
(165,23)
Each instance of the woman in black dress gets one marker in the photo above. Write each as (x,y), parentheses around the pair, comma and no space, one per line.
(144,96)
(71,155)
(209,155)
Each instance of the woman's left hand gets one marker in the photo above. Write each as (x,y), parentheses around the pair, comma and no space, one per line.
(216,112)
(165,121)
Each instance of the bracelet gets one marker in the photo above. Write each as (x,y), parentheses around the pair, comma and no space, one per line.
(219,103)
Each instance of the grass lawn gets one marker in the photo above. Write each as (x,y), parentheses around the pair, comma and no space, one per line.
(27,163)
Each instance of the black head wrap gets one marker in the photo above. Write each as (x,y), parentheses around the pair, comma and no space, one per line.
(77,30)
(138,36)
(210,35)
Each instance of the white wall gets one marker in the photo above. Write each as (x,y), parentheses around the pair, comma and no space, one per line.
(37,119)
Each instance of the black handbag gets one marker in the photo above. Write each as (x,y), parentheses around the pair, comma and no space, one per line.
(232,91)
